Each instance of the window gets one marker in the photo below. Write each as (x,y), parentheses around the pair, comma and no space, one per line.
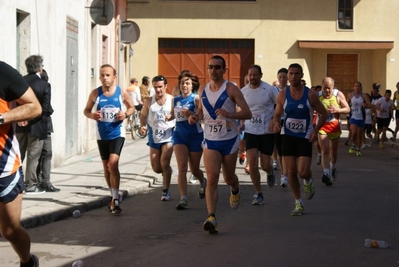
(345,14)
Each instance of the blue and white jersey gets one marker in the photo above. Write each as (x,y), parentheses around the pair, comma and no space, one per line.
(160,129)
(299,114)
(182,125)
(218,128)
(109,127)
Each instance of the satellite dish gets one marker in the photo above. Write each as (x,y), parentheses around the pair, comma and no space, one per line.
(102,11)
(130,32)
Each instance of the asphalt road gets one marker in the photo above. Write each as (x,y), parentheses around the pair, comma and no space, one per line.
(363,203)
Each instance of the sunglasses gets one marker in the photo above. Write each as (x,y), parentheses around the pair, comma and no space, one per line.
(216,67)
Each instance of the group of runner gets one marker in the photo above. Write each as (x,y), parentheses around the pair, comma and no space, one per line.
(202,121)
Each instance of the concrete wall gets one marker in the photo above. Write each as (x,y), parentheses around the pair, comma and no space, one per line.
(276,27)
(46,35)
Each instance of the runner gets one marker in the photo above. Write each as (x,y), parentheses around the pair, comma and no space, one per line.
(107,101)
(329,134)
(298,103)
(385,108)
(259,135)
(217,108)
(358,102)
(156,115)
(187,138)
(282,84)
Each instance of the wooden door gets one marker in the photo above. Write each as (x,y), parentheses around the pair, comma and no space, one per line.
(343,68)
(175,55)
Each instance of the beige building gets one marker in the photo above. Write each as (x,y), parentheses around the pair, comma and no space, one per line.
(348,40)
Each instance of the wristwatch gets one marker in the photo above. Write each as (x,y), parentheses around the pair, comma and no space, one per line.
(1,119)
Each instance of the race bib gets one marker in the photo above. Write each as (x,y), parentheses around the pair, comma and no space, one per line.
(295,125)
(216,128)
(256,123)
(257,119)
(161,133)
(179,117)
(109,114)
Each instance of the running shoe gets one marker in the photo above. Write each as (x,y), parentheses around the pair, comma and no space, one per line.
(183,204)
(333,174)
(210,225)
(351,150)
(299,210)
(202,189)
(34,190)
(258,199)
(364,146)
(318,160)
(35,260)
(271,179)
(393,138)
(275,165)
(243,158)
(382,145)
(309,190)
(115,208)
(358,153)
(193,179)
(326,180)
(235,200)
(284,181)
(110,200)
(246,169)
(165,195)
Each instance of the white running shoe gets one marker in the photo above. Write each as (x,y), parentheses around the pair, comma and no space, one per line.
(284,181)
(165,196)
(193,179)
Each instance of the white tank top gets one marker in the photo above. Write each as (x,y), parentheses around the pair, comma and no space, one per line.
(356,107)
(162,130)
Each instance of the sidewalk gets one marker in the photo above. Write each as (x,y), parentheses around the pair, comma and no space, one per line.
(83,187)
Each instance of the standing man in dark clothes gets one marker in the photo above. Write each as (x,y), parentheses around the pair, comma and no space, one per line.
(31,134)
(44,166)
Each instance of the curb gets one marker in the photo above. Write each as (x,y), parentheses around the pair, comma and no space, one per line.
(79,201)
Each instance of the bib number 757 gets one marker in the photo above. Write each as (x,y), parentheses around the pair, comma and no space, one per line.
(215,128)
